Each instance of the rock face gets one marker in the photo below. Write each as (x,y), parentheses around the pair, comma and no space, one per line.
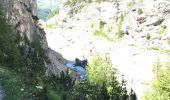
(22,15)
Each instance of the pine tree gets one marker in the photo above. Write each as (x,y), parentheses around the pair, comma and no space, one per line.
(103,95)
(132,95)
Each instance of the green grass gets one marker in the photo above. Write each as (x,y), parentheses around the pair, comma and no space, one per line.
(53,95)
(162,30)
(131,3)
(50,25)
(140,1)
(13,84)
(102,33)
(100,30)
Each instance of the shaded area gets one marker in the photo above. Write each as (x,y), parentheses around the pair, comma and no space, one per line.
(1,90)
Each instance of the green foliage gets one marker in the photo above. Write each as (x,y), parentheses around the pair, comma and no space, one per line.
(100,1)
(100,70)
(131,3)
(50,25)
(73,2)
(100,31)
(160,88)
(9,55)
(33,59)
(162,30)
(60,87)
(119,33)
(148,36)
(103,95)
(140,11)
(24,63)
(140,1)
(132,95)
(16,89)
(102,83)
(65,82)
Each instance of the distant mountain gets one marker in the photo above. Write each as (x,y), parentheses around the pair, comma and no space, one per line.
(45,7)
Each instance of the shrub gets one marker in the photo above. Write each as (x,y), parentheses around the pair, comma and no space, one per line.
(160,86)
(162,29)
(140,11)
(131,3)
(100,70)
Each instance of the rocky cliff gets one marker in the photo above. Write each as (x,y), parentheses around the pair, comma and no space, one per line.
(22,15)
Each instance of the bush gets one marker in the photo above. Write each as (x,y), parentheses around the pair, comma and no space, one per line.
(100,70)
(131,3)
(140,11)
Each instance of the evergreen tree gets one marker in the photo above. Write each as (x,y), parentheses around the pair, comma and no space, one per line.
(103,95)
(132,95)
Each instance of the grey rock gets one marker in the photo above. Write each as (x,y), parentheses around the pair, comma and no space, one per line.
(156,23)
(141,19)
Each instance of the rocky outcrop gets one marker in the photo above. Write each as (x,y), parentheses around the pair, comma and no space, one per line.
(22,15)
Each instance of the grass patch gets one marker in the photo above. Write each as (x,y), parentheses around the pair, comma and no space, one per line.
(102,33)
(162,29)
(119,33)
(131,3)
(101,30)
(13,83)
(140,1)
(50,25)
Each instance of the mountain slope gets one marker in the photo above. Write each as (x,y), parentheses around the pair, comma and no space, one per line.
(134,33)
